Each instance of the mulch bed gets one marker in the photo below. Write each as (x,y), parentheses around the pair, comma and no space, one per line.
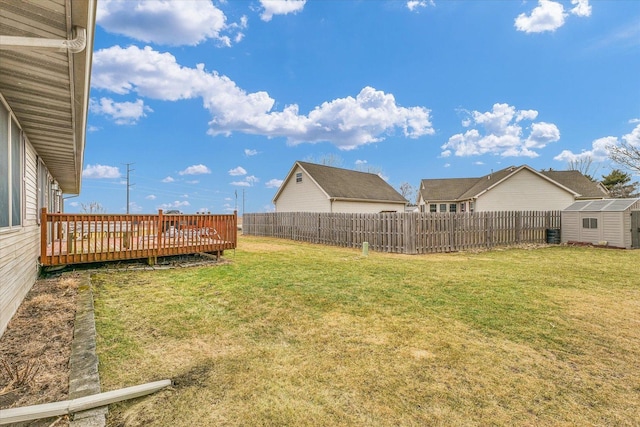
(35,348)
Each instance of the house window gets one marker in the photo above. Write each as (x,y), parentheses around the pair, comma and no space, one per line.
(443,207)
(463,206)
(10,170)
(453,207)
(298,177)
(589,222)
(472,206)
(433,207)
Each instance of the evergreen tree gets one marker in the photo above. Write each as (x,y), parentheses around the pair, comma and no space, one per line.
(619,184)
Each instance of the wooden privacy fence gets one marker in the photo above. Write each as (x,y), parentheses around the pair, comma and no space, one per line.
(408,233)
(83,238)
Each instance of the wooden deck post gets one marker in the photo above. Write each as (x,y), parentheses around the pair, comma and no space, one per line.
(43,236)
(159,242)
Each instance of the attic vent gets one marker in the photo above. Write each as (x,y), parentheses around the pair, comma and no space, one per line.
(298,177)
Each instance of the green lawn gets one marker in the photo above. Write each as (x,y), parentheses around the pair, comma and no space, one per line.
(296,334)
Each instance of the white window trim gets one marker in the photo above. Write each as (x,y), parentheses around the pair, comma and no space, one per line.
(21,162)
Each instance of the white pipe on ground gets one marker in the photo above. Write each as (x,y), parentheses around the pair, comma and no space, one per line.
(29,413)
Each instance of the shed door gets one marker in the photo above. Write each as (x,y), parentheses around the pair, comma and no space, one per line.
(635,229)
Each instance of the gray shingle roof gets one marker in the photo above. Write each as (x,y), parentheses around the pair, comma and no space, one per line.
(467,188)
(349,184)
(577,182)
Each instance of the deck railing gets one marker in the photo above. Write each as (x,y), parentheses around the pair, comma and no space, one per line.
(86,238)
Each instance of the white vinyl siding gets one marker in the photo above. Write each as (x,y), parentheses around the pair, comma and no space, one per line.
(20,247)
(340,206)
(522,192)
(303,196)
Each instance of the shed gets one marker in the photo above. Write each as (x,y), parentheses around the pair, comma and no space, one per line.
(609,222)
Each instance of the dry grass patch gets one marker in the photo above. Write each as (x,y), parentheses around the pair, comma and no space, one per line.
(296,334)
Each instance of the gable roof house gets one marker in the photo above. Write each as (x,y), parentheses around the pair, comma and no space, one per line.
(309,187)
(511,189)
(45,66)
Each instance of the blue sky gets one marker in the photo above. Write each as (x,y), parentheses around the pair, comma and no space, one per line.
(207,100)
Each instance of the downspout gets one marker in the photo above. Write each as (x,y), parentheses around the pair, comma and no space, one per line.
(75,45)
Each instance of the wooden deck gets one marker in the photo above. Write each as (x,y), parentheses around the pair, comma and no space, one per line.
(85,238)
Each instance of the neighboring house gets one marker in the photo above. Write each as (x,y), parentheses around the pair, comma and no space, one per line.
(45,64)
(610,222)
(316,188)
(511,189)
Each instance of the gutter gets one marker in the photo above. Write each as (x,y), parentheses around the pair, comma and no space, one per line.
(76,45)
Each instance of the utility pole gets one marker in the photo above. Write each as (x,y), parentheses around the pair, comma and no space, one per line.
(243,202)
(128,185)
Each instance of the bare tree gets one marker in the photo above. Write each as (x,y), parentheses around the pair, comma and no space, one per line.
(408,191)
(584,165)
(326,160)
(626,155)
(92,208)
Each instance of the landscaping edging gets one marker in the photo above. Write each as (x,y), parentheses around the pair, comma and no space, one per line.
(83,362)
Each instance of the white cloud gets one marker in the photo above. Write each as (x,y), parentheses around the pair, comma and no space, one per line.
(581,8)
(249,181)
(168,179)
(413,5)
(100,171)
(634,121)
(361,162)
(74,204)
(249,153)
(176,204)
(547,16)
(134,207)
(92,128)
(633,138)
(599,151)
(273,183)
(346,122)
(280,7)
(151,197)
(167,22)
(195,170)
(600,147)
(237,171)
(122,113)
(193,181)
(503,134)
(550,15)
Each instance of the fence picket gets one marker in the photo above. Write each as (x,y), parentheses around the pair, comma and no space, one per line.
(409,233)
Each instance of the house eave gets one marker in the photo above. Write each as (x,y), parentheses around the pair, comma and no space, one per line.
(47,87)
